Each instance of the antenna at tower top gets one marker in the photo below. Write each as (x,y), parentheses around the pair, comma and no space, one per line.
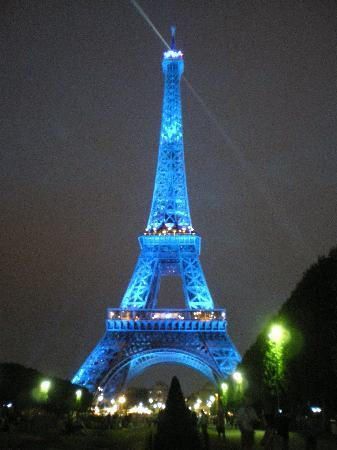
(173,34)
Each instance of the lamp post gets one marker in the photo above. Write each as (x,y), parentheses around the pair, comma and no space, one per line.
(274,358)
(238,378)
(238,384)
(122,401)
(45,386)
(223,393)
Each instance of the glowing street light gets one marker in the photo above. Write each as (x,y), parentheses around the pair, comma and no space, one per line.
(121,399)
(276,334)
(224,387)
(274,358)
(78,394)
(45,385)
(237,377)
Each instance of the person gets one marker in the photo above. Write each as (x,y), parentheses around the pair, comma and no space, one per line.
(313,427)
(204,427)
(247,420)
(282,429)
(220,424)
(268,439)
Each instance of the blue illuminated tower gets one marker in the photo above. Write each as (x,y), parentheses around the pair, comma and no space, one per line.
(138,334)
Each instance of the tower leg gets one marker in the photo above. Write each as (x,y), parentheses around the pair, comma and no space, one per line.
(142,285)
(195,286)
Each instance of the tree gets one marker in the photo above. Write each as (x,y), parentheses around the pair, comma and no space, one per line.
(177,425)
(310,356)
(22,387)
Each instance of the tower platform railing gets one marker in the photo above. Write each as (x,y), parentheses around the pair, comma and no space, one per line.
(164,314)
(174,320)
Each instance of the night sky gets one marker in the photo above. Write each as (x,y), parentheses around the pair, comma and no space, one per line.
(81,93)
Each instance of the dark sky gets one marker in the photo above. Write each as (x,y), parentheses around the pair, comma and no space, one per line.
(81,92)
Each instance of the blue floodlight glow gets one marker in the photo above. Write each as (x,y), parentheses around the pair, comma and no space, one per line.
(139,335)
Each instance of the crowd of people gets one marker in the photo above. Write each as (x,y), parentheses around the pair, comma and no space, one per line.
(276,427)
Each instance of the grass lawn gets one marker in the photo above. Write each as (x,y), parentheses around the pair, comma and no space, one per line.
(296,441)
(124,439)
(129,439)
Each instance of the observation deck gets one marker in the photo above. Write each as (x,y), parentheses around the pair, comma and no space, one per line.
(165,245)
(176,320)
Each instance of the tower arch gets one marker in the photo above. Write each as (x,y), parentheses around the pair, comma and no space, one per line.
(138,334)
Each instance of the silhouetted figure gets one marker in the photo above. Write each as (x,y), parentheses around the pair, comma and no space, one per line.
(247,420)
(282,430)
(220,420)
(204,428)
(313,427)
(176,428)
(268,440)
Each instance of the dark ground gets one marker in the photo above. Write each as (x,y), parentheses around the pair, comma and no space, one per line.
(129,439)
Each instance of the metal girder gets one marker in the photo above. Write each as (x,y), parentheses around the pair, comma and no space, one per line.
(169,247)
(170,200)
(120,356)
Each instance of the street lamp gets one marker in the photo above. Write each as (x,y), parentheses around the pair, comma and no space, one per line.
(122,400)
(45,385)
(224,387)
(237,377)
(78,394)
(276,334)
(274,358)
(238,381)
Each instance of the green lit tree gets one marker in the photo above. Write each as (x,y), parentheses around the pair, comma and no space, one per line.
(274,364)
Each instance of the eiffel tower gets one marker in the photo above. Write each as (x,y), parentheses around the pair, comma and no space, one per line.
(138,334)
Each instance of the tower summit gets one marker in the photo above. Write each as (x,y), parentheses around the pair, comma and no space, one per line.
(139,334)
(170,208)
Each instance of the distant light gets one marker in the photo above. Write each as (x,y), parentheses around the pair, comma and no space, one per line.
(139,409)
(112,401)
(122,399)
(224,387)
(45,386)
(212,398)
(100,398)
(237,377)
(280,411)
(316,409)
(9,405)
(151,400)
(78,394)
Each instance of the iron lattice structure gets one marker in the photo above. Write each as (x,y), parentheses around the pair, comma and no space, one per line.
(138,334)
